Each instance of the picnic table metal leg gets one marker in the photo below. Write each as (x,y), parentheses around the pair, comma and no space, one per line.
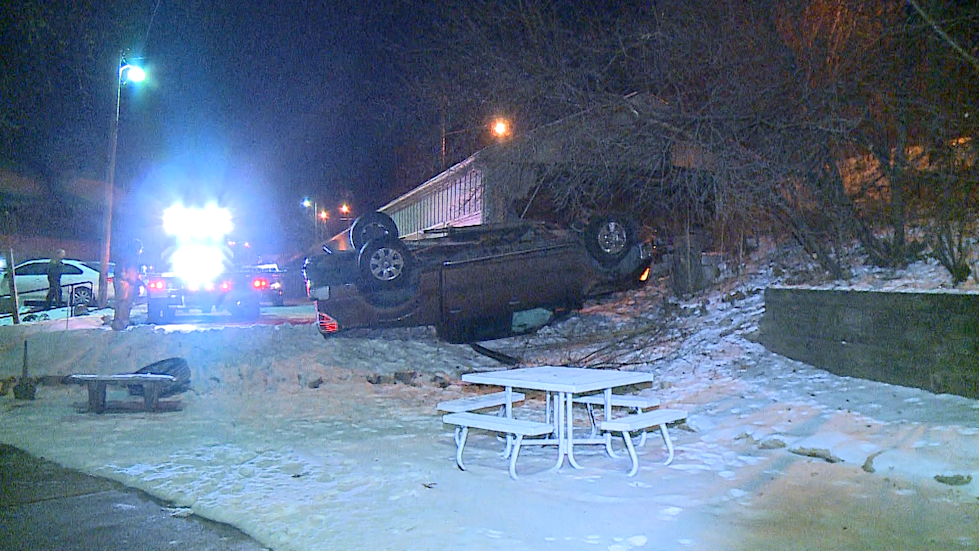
(508,409)
(96,396)
(559,428)
(513,458)
(569,401)
(632,452)
(607,414)
(642,439)
(460,446)
(669,443)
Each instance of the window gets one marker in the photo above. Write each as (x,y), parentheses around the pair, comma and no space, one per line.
(32,269)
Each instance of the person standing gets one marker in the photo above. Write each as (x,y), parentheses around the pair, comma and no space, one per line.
(56,267)
(126,283)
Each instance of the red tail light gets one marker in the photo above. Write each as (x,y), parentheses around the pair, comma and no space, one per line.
(157,285)
(327,324)
(225,286)
(260,283)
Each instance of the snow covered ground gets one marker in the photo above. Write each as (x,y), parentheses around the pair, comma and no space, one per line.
(284,437)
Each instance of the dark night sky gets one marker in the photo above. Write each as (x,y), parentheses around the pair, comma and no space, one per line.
(256,104)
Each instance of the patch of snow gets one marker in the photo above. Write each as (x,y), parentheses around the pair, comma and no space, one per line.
(346,464)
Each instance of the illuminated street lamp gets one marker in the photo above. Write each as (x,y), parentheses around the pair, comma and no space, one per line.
(500,128)
(345,212)
(127,72)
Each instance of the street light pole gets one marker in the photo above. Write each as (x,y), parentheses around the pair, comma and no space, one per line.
(137,75)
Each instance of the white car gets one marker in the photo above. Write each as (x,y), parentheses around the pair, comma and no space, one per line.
(78,278)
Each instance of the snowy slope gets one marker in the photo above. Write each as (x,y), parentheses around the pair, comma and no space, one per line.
(284,437)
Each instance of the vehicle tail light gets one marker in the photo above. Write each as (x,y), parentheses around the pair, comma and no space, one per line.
(209,286)
(157,285)
(645,275)
(225,286)
(327,324)
(260,283)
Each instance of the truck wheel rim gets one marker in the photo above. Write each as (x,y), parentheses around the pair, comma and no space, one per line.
(387,264)
(612,238)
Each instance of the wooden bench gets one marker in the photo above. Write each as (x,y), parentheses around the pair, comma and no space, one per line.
(516,427)
(153,385)
(638,421)
(633,401)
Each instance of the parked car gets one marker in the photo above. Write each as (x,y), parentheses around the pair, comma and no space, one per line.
(110,275)
(78,278)
(469,282)
(273,293)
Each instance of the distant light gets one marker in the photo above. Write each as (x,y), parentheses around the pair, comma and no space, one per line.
(501,128)
(306,202)
(345,209)
(324,215)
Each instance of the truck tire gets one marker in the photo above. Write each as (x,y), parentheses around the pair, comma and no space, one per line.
(609,238)
(384,263)
(371,226)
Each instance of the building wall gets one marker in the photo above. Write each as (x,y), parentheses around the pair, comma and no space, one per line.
(453,198)
(924,340)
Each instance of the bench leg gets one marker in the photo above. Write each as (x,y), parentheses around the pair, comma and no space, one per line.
(509,439)
(461,444)
(669,443)
(151,396)
(594,429)
(642,439)
(96,396)
(513,457)
(591,417)
(632,452)
(608,445)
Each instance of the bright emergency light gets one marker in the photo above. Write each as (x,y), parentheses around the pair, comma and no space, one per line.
(199,257)
(211,222)
(197,264)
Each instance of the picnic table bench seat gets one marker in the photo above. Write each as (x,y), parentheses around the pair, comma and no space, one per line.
(481,401)
(639,421)
(516,427)
(633,401)
(153,384)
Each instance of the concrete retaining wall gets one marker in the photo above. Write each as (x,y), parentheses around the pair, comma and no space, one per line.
(923,340)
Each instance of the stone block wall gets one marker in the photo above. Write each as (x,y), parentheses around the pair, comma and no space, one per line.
(923,340)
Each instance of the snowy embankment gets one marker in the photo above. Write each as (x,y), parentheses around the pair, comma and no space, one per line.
(284,437)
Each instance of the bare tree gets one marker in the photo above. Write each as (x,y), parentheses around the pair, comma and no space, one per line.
(806,116)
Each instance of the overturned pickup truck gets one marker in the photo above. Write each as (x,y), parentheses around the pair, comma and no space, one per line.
(469,282)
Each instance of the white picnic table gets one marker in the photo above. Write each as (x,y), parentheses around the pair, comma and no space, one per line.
(563,383)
